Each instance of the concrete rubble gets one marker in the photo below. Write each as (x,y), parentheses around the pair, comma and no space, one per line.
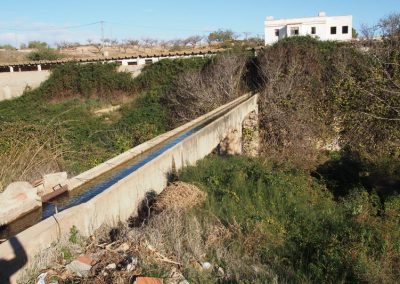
(80,266)
(50,182)
(148,280)
(18,199)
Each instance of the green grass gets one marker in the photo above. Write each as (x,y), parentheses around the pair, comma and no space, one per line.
(62,110)
(290,222)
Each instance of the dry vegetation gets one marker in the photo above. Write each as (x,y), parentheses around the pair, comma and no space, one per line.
(293,103)
(313,93)
(284,216)
(7,56)
(200,91)
(35,152)
(37,50)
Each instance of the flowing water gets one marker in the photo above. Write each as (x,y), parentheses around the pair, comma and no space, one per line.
(95,186)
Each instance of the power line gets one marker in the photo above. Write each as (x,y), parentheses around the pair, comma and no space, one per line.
(53,28)
(101,23)
(158,28)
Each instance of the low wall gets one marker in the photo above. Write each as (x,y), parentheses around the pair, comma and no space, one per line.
(121,200)
(12,85)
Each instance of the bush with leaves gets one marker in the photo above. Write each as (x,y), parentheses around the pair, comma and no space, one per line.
(87,80)
(44,54)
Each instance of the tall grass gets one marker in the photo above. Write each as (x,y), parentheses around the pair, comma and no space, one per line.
(283,218)
(27,152)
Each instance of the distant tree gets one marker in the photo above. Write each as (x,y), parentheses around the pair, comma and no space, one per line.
(66,44)
(367,32)
(89,41)
(194,40)
(354,33)
(107,41)
(37,44)
(246,35)
(149,42)
(114,41)
(7,47)
(176,44)
(98,46)
(62,45)
(389,25)
(133,42)
(127,43)
(23,46)
(221,36)
(164,44)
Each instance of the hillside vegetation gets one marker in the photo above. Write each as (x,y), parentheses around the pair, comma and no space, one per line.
(320,204)
(59,127)
(290,228)
(55,127)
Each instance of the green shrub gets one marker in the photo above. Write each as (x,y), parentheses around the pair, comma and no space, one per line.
(61,117)
(7,47)
(73,235)
(143,119)
(163,73)
(44,54)
(37,44)
(86,80)
(283,218)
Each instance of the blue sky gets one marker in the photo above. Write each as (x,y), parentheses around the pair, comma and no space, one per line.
(57,20)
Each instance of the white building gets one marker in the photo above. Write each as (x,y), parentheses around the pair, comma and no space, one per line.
(322,27)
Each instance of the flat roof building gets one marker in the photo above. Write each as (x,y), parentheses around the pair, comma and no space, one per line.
(322,27)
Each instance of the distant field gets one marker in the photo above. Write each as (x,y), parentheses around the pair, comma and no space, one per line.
(17,56)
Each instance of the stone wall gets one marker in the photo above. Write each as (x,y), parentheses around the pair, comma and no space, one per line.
(250,135)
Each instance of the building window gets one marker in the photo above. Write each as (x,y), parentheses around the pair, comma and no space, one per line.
(276,32)
(313,30)
(333,30)
(345,29)
(294,31)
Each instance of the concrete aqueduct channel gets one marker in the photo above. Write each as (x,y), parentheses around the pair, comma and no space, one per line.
(113,190)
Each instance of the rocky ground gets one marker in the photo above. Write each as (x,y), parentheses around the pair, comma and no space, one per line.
(119,254)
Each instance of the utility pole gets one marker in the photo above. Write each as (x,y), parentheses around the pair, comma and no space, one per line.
(102,33)
(16,41)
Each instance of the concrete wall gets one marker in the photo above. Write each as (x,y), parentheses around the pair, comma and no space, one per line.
(121,200)
(13,84)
